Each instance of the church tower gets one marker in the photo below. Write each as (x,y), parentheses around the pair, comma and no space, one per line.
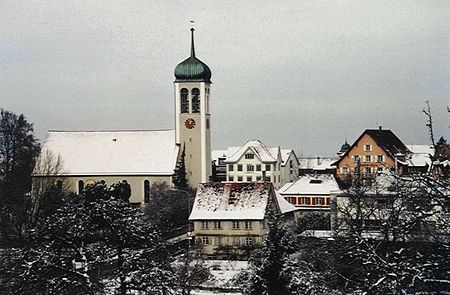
(192,116)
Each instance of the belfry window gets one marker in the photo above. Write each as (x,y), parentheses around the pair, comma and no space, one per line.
(184,100)
(195,100)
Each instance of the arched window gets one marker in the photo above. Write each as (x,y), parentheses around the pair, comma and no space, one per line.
(195,100)
(184,100)
(80,186)
(146,191)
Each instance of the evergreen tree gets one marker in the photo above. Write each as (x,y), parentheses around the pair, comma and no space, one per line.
(267,275)
(18,152)
(179,176)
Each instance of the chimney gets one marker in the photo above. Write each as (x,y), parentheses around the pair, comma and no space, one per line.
(380,127)
(318,161)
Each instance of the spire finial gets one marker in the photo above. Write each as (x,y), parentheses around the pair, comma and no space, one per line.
(192,39)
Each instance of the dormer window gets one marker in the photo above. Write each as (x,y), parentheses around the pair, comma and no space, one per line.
(184,100)
(315,181)
(195,100)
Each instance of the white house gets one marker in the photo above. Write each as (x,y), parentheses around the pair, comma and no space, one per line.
(289,166)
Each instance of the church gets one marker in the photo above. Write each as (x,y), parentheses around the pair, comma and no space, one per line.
(142,157)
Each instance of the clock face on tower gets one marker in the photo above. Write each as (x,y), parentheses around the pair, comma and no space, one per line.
(189,123)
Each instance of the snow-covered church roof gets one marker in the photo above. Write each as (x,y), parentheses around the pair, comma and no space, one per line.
(138,152)
(231,201)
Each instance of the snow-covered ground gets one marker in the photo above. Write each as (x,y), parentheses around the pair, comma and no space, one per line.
(222,272)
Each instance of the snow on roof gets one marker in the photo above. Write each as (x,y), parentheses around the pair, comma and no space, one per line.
(231,201)
(216,154)
(284,205)
(285,155)
(264,153)
(321,184)
(114,152)
(420,154)
(317,163)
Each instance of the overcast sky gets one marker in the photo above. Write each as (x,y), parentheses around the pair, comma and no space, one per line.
(300,74)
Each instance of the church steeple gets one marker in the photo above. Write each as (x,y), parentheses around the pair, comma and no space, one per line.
(193,117)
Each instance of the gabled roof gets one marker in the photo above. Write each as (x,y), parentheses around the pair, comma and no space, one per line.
(386,139)
(114,152)
(321,184)
(232,201)
(285,156)
(263,153)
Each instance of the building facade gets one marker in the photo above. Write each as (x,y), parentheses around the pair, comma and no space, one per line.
(375,151)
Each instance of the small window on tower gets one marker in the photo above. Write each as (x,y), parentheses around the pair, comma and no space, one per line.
(195,100)
(184,100)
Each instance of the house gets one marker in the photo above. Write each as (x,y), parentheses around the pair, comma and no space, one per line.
(230,218)
(375,151)
(310,193)
(289,166)
(254,161)
(142,157)
(316,165)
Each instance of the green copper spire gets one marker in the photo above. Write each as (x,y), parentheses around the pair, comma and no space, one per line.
(192,69)
(192,43)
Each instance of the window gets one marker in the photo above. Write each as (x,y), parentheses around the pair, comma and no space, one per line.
(279,178)
(367,171)
(239,167)
(230,178)
(207,123)
(292,200)
(239,178)
(205,224)
(248,225)
(268,167)
(184,100)
(367,158)
(274,178)
(356,158)
(249,178)
(80,186)
(380,159)
(367,147)
(217,225)
(146,191)
(248,241)
(237,241)
(235,224)
(249,156)
(250,167)
(258,167)
(205,240)
(291,164)
(267,178)
(304,201)
(344,170)
(195,100)
(231,167)
(258,178)
(319,201)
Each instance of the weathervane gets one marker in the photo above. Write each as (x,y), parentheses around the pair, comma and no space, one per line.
(192,24)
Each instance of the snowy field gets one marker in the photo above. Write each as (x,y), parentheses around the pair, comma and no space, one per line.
(222,272)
